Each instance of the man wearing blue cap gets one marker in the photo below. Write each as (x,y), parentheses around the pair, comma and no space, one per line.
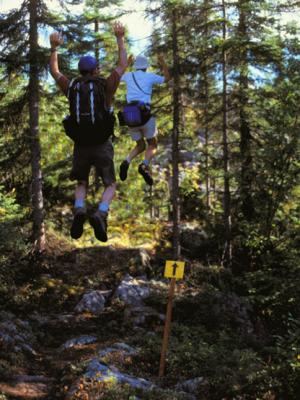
(93,113)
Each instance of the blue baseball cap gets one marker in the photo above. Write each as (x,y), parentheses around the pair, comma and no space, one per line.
(87,63)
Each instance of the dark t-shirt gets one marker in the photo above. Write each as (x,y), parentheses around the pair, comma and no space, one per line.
(112,83)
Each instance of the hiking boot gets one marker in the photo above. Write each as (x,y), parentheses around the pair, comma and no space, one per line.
(123,170)
(99,222)
(78,222)
(145,172)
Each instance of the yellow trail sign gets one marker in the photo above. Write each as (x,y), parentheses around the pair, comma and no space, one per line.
(174,269)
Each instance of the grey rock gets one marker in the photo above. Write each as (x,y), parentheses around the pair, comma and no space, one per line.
(193,240)
(78,342)
(101,370)
(142,314)
(159,285)
(108,371)
(139,259)
(16,334)
(132,291)
(103,373)
(190,386)
(92,302)
(29,349)
(105,293)
(123,347)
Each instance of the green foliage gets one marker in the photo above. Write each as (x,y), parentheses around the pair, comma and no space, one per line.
(207,338)
(11,236)
(113,391)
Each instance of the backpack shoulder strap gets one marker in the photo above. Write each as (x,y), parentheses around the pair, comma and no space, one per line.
(75,87)
(70,85)
(135,81)
(92,101)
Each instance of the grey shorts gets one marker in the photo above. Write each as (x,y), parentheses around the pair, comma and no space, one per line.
(101,156)
(148,131)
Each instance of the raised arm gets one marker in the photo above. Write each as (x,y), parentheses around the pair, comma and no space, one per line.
(119,31)
(55,41)
(164,67)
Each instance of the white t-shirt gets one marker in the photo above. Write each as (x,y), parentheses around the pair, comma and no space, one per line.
(145,80)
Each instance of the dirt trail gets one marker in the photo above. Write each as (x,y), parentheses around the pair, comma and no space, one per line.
(66,277)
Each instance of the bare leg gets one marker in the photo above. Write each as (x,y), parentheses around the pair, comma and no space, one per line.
(109,193)
(139,148)
(144,166)
(151,149)
(81,190)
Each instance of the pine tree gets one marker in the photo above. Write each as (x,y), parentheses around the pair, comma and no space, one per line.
(37,193)
(98,12)
(172,13)
(246,182)
(226,195)
(23,55)
(175,134)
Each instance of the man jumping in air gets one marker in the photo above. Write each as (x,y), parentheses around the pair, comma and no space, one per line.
(90,124)
(139,89)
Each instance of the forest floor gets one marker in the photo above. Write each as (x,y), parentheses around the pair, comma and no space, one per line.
(216,340)
(50,288)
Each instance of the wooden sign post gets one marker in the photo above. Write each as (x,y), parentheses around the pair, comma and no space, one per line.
(173,270)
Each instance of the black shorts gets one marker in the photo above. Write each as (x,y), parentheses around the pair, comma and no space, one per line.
(101,156)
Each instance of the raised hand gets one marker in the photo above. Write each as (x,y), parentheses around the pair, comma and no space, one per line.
(56,39)
(119,29)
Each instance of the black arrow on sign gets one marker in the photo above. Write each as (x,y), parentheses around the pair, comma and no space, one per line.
(175,266)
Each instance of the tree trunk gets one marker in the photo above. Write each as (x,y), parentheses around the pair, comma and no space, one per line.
(246,177)
(175,139)
(206,119)
(226,197)
(245,134)
(38,232)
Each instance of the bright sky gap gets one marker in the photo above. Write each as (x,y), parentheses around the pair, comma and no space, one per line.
(139,27)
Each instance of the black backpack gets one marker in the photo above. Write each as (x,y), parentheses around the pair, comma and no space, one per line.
(89,122)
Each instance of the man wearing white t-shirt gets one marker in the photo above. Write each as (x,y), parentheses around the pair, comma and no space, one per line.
(139,89)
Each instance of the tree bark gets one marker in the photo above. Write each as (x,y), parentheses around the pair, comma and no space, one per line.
(175,139)
(38,230)
(226,197)
(245,133)
(246,177)
(206,130)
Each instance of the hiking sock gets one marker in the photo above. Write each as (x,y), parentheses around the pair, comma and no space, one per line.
(146,162)
(79,203)
(103,206)
(128,159)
